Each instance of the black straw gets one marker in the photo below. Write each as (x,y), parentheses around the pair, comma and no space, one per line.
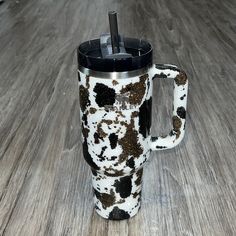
(114,31)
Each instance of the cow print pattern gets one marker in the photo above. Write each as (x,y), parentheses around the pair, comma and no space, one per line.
(116,124)
(117,198)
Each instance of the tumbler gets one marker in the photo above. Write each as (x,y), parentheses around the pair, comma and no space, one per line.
(116,76)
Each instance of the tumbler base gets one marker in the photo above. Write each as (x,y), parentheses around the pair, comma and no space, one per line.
(117,197)
(118,214)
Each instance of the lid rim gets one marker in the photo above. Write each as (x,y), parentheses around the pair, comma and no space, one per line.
(115,64)
(114,75)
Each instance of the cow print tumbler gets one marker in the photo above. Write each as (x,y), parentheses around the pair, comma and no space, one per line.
(115,89)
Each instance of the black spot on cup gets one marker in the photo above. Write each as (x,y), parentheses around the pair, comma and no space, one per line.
(105,95)
(101,156)
(85,119)
(78,72)
(118,214)
(94,172)
(182,97)
(181,112)
(161,147)
(96,138)
(130,163)
(123,186)
(113,140)
(161,75)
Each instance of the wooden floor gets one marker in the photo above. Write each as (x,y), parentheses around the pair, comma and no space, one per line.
(45,185)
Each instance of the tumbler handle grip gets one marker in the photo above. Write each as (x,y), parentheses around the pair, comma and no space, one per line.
(179,106)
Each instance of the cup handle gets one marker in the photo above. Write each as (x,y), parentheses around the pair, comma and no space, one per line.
(179,106)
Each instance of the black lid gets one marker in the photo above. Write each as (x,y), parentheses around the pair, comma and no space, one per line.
(90,56)
(113,52)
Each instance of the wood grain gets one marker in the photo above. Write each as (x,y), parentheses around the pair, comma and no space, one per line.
(45,185)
